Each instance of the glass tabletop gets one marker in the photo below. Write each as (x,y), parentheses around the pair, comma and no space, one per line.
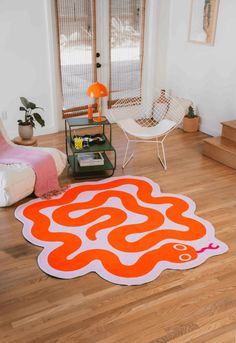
(85,122)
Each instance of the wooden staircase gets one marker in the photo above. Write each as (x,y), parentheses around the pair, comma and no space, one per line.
(223,148)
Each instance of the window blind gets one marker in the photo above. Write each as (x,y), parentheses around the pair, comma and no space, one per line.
(126,47)
(77,48)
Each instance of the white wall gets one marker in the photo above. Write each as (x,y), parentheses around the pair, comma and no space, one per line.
(155,44)
(204,74)
(26,61)
(162,17)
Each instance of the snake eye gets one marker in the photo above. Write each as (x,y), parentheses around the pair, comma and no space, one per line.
(185,257)
(180,247)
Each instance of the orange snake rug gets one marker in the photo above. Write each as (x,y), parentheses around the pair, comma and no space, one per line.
(124,229)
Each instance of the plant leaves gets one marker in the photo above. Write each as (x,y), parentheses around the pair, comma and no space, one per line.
(24,101)
(31,105)
(29,117)
(23,109)
(39,119)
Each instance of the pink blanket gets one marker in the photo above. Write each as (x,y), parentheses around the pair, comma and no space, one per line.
(42,163)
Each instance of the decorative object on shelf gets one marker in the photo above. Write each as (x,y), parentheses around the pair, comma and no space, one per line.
(90,159)
(90,112)
(25,127)
(95,143)
(78,142)
(191,120)
(97,90)
(86,141)
(93,139)
(203,18)
(107,214)
(96,139)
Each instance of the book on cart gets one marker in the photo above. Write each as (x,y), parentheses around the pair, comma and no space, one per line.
(88,159)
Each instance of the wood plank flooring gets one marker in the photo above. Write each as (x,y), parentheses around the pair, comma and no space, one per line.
(197,305)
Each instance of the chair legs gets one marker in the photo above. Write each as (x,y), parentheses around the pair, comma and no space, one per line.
(126,160)
(161,154)
(160,151)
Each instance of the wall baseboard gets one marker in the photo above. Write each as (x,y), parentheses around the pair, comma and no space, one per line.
(40,132)
(209,131)
(50,130)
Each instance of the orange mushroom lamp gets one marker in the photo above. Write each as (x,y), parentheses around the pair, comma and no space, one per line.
(97,90)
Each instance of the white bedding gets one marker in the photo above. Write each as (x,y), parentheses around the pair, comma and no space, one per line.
(17,180)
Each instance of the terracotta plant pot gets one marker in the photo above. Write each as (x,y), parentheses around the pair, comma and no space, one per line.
(191,124)
(25,131)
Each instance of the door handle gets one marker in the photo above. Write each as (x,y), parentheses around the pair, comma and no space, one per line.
(98,65)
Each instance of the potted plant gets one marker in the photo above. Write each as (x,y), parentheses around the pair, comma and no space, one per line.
(191,121)
(25,127)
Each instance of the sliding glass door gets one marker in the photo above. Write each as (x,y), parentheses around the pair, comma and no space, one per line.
(126,19)
(77,38)
(112,41)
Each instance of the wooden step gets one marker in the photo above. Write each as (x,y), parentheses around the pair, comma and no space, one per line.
(229,130)
(221,149)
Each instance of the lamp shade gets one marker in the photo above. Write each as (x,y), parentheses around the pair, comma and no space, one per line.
(97,90)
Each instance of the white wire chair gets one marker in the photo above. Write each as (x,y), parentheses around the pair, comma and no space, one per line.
(148,119)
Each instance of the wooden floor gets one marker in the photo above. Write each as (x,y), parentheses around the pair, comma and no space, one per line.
(196,305)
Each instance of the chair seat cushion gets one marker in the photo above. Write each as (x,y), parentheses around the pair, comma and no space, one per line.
(17,180)
(134,129)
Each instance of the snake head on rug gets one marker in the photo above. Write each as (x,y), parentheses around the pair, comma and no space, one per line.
(180,253)
(177,252)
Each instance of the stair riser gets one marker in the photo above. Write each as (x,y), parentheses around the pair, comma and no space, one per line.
(229,132)
(220,155)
